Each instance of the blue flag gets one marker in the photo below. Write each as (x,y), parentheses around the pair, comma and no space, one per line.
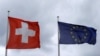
(76,34)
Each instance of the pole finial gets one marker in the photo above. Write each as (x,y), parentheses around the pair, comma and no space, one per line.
(58,17)
(8,12)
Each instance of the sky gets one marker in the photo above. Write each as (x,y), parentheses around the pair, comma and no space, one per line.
(81,12)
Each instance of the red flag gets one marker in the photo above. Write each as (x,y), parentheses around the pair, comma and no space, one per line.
(23,34)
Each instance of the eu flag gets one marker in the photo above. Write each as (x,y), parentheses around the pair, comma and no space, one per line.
(76,34)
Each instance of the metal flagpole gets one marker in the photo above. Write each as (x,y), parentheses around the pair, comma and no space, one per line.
(7,35)
(58,37)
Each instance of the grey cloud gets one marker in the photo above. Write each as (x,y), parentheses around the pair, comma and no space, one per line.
(34,11)
(45,12)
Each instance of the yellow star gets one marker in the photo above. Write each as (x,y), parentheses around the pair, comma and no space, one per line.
(76,40)
(79,41)
(73,36)
(86,34)
(71,32)
(85,37)
(73,27)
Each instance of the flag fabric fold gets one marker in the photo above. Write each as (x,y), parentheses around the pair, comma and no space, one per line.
(76,34)
(23,34)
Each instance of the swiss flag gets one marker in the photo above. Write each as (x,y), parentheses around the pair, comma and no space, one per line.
(23,34)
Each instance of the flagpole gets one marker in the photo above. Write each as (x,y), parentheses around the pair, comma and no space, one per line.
(7,35)
(58,37)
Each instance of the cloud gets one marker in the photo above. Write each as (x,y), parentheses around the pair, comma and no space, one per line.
(32,11)
(84,12)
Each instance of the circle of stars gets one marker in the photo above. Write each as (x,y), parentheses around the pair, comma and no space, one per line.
(83,38)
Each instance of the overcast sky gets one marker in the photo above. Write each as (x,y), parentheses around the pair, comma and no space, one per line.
(82,12)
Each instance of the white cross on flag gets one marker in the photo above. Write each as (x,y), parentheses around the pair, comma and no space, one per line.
(23,34)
